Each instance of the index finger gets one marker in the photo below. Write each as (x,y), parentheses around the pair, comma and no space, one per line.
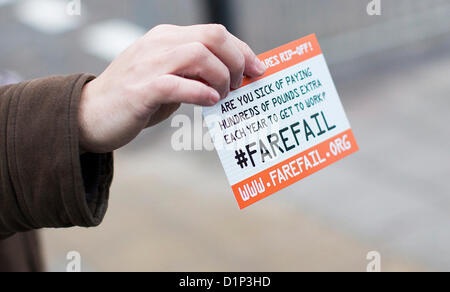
(229,49)
(253,66)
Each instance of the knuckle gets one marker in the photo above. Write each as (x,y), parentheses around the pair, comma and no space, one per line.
(197,52)
(240,64)
(162,28)
(160,34)
(165,86)
(246,48)
(224,80)
(220,28)
(198,47)
(216,33)
(225,76)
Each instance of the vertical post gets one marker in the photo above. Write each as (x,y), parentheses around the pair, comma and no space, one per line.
(220,11)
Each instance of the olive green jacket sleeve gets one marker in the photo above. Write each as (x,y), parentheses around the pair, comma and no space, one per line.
(44,181)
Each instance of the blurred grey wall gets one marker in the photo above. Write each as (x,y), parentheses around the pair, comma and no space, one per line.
(344,28)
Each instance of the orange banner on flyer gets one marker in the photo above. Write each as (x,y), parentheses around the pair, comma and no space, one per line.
(288,55)
(294,169)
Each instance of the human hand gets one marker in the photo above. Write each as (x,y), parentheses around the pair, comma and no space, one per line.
(168,66)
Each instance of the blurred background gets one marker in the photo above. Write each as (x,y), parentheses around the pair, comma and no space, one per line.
(174,211)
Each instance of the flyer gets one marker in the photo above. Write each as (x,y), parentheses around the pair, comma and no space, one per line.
(279,128)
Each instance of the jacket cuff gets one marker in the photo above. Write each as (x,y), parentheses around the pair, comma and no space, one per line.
(54,185)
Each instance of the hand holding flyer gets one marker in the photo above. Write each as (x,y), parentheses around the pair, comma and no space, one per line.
(282,127)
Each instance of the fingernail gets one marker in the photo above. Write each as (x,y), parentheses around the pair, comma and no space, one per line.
(214,97)
(260,67)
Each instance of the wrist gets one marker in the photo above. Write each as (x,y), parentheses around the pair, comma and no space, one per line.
(83,120)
